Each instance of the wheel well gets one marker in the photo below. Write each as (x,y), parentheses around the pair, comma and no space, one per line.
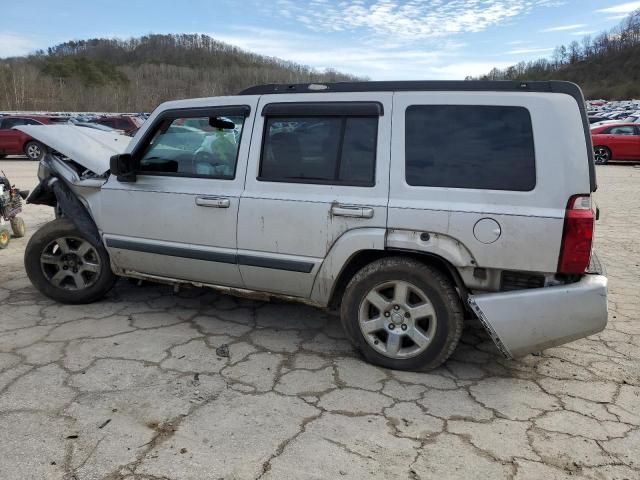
(364,257)
(604,146)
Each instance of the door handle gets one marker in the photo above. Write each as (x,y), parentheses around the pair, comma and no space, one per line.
(215,202)
(353,211)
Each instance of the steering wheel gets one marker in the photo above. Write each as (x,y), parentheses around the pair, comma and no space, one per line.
(204,161)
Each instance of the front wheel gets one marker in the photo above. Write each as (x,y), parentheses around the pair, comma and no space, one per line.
(65,265)
(34,150)
(601,154)
(402,314)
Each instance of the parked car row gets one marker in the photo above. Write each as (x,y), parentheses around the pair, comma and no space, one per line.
(15,142)
(615,130)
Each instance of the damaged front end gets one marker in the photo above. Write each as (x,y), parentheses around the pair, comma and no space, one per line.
(73,170)
(57,191)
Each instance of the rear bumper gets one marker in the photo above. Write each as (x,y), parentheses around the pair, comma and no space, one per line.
(526,321)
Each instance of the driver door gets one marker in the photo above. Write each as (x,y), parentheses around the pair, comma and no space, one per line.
(178,218)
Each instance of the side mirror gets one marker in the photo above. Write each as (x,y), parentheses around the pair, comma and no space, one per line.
(122,166)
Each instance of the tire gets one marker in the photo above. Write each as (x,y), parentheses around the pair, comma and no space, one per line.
(5,237)
(601,154)
(432,309)
(2,155)
(18,227)
(34,150)
(58,244)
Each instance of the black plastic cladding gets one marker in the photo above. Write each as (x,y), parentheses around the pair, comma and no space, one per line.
(552,86)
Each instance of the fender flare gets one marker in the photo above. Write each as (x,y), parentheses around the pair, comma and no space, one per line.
(54,189)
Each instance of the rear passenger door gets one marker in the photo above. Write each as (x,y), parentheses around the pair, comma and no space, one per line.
(627,144)
(318,167)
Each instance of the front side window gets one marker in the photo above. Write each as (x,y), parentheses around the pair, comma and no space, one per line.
(330,150)
(469,146)
(197,147)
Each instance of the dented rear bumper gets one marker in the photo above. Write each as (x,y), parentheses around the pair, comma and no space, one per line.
(526,321)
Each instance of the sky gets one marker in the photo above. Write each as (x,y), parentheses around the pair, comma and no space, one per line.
(378,39)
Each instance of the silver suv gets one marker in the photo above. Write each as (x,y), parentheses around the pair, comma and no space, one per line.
(404,205)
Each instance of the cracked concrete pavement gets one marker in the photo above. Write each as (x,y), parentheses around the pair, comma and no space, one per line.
(137,386)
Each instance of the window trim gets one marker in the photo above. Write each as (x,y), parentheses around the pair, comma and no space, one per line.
(305,181)
(196,112)
(323,109)
(512,191)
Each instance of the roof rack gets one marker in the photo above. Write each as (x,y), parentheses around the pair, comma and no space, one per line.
(403,86)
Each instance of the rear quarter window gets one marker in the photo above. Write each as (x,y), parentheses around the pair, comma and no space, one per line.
(469,146)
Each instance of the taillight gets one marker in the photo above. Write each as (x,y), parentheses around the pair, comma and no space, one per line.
(575,250)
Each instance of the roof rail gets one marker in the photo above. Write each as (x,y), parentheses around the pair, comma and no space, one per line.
(400,86)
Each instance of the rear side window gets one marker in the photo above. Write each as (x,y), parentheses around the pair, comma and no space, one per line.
(624,130)
(12,122)
(329,150)
(469,146)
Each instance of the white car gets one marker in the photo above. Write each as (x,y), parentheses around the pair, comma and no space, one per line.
(403,205)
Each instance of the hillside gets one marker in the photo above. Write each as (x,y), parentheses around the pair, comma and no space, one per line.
(139,73)
(606,66)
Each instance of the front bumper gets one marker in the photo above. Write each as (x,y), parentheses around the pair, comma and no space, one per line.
(526,321)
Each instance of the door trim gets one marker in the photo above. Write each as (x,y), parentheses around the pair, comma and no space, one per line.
(209,256)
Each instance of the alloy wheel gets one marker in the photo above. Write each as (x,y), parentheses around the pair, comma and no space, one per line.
(70,263)
(601,155)
(33,151)
(397,319)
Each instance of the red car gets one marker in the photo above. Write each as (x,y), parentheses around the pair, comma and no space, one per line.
(128,124)
(14,142)
(617,141)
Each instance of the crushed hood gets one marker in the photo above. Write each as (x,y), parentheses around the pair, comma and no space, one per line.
(89,147)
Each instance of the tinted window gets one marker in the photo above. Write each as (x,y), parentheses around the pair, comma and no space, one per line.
(469,146)
(332,150)
(625,130)
(192,147)
(13,122)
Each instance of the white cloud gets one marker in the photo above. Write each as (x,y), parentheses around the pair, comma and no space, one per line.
(623,8)
(582,33)
(462,69)
(563,28)
(617,17)
(358,58)
(525,51)
(411,20)
(12,44)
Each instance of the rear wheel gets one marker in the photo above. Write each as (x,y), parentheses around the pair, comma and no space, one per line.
(601,154)
(2,156)
(34,150)
(402,314)
(66,265)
